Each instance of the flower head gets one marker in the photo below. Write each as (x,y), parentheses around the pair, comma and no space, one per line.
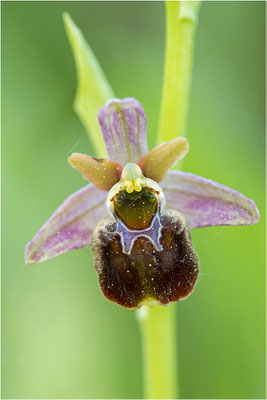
(136,213)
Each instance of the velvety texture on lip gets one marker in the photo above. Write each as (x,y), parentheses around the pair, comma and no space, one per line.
(146,273)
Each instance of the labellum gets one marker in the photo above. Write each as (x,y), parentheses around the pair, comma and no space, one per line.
(143,256)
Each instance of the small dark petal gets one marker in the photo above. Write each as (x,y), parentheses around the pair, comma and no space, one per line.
(146,274)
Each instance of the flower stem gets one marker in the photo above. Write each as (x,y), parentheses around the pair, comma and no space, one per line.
(159,351)
(158,330)
(181,21)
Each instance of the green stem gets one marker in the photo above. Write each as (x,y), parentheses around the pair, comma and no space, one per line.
(158,330)
(181,21)
(159,351)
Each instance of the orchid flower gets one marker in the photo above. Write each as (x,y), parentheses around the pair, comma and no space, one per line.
(137,214)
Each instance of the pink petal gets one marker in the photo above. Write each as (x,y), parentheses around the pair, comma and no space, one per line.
(70,227)
(123,125)
(205,203)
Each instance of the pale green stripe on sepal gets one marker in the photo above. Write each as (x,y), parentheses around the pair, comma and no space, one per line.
(93,88)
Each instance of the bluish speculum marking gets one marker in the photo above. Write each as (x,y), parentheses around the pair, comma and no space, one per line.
(137,215)
(128,236)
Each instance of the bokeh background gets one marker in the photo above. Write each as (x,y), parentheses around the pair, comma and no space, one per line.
(60,337)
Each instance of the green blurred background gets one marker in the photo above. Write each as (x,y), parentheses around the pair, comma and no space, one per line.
(60,337)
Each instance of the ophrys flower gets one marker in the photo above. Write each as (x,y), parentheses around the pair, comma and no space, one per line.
(137,214)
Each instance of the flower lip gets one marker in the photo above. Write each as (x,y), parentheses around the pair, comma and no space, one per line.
(164,272)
